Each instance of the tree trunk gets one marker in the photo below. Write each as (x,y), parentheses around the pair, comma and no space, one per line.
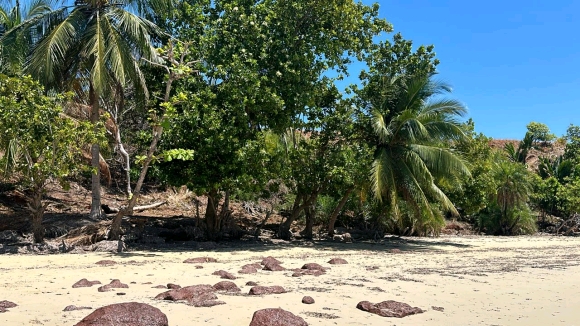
(96,175)
(284,230)
(212,219)
(37,212)
(310,213)
(337,210)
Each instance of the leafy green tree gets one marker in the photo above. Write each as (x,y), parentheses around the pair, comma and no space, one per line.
(39,142)
(90,47)
(540,132)
(262,70)
(472,193)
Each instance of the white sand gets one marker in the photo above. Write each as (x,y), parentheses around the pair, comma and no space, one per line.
(478,281)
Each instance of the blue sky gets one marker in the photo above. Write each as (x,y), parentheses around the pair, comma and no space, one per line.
(511,62)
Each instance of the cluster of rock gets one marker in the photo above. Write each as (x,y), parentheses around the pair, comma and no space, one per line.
(204,295)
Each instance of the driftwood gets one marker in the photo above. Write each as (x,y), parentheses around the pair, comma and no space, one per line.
(113,210)
(569,226)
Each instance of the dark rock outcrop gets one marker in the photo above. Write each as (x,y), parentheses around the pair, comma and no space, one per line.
(270,259)
(5,305)
(115,284)
(260,290)
(224,274)
(201,295)
(173,286)
(389,308)
(276,317)
(273,266)
(126,314)
(337,261)
(84,283)
(250,268)
(226,286)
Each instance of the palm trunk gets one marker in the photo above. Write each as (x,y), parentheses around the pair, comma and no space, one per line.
(284,230)
(337,210)
(96,175)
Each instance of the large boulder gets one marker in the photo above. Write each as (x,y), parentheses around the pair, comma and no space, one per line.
(276,317)
(224,274)
(389,308)
(126,314)
(115,284)
(337,261)
(226,286)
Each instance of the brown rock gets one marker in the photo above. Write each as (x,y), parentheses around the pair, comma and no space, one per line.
(7,304)
(72,307)
(270,259)
(313,267)
(147,283)
(250,268)
(115,284)
(2,310)
(260,290)
(251,283)
(224,274)
(302,272)
(273,266)
(389,308)
(276,317)
(441,309)
(307,300)
(197,295)
(227,286)
(337,261)
(106,262)
(173,286)
(127,314)
(200,260)
(84,283)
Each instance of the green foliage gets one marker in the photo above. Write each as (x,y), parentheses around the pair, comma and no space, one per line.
(39,141)
(508,212)
(472,194)
(42,142)
(540,132)
(572,151)
(412,153)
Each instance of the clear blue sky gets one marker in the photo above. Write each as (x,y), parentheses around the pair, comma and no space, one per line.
(510,61)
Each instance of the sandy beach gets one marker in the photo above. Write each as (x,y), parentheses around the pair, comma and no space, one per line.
(476,280)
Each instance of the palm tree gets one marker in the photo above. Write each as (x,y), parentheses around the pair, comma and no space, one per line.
(12,57)
(412,129)
(90,47)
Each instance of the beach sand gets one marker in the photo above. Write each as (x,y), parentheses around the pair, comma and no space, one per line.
(476,280)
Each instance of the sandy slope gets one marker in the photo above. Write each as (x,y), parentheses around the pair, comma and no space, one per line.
(478,281)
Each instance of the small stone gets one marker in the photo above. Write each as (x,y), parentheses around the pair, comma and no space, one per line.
(337,261)
(307,300)
(199,260)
